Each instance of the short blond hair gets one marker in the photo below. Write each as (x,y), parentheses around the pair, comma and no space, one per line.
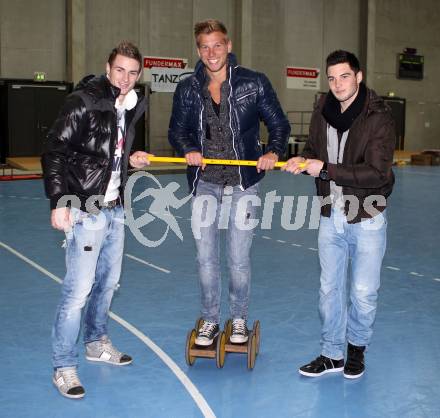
(208,26)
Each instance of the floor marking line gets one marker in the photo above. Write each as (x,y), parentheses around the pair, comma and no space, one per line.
(139,260)
(280,240)
(265,237)
(183,378)
(30,262)
(393,268)
(313,249)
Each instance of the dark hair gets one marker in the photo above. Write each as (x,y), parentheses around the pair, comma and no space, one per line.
(208,26)
(126,49)
(340,56)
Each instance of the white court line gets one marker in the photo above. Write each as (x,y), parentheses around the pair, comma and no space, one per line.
(296,245)
(437,279)
(313,249)
(430,174)
(393,268)
(265,237)
(186,382)
(147,263)
(22,197)
(280,240)
(413,273)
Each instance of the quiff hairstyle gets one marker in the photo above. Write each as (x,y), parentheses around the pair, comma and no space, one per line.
(126,49)
(208,26)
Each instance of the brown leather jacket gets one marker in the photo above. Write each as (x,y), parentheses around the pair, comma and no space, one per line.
(368,156)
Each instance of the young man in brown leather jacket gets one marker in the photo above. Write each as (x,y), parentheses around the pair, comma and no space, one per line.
(350,154)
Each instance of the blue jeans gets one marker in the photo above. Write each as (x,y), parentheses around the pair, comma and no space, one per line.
(216,207)
(94,250)
(363,244)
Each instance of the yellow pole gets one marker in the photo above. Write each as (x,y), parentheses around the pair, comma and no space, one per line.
(214,161)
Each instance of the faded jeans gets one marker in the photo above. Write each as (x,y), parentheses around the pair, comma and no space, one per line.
(94,250)
(354,250)
(216,207)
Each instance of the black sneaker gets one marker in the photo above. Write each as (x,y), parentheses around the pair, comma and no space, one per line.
(355,365)
(206,333)
(240,332)
(322,365)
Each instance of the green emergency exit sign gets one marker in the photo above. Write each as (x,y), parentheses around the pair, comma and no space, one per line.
(39,76)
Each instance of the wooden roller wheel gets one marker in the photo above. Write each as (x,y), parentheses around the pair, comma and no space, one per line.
(251,350)
(189,344)
(228,329)
(256,331)
(220,350)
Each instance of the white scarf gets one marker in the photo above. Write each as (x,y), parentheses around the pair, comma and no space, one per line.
(129,102)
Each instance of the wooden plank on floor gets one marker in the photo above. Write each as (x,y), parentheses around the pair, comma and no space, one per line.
(25,163)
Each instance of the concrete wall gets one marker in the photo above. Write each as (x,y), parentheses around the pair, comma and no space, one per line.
(405,23)
(159,28)
(266,35)
(32,38)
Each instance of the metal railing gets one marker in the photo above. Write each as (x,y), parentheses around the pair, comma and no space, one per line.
(300,123)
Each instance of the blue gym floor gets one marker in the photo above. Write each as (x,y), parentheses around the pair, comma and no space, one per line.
(158,302)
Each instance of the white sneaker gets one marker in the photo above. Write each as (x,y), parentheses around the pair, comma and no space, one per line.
(104,351)
(67,382)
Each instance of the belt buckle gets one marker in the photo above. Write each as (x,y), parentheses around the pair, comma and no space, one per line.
(111,204)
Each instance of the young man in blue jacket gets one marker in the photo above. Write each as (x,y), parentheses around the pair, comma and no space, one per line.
(216,114)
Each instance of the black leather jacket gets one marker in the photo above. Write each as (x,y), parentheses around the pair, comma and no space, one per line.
(252,98)
(79,149)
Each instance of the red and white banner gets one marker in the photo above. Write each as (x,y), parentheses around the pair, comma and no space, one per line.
(303,78)
(165,62)
(162,62)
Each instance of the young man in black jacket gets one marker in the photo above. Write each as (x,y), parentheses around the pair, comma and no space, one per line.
(85,169)
(216,114)
(350,154)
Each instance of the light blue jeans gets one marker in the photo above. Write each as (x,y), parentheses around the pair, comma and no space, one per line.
(360,246)
(214,208)
(94,250)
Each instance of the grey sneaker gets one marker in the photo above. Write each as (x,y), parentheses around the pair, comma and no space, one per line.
(67,382)
(240,333)
(103,350)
